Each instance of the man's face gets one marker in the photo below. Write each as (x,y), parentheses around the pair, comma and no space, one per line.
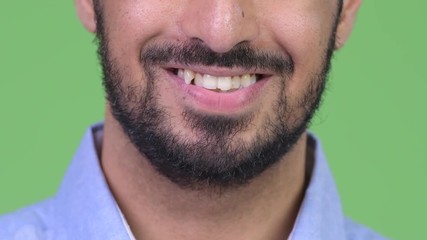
(214,92)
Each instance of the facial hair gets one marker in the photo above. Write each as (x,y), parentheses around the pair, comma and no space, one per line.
(219,157)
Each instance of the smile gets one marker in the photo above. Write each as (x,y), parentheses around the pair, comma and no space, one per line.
(217,83)
(220,90)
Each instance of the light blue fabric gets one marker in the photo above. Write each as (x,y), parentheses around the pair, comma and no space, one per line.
(84,208)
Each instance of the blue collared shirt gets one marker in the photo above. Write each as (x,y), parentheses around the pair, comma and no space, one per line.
(84,207)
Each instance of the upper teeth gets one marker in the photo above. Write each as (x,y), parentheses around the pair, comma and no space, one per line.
(211,82)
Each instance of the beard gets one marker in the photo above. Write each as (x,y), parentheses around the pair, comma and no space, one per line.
(220,156)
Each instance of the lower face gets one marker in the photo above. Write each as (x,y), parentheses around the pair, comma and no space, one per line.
(204,118)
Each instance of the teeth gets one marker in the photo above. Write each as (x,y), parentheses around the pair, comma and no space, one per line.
(188,76)
(198,80)
(210,82)
(181,73)
(224,83)
(252,79)
(246,80)
(213,83)
(235,82)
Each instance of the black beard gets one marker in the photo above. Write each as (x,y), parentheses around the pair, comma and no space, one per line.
(219,158)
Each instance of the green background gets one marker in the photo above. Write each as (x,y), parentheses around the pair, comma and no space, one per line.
(372,122)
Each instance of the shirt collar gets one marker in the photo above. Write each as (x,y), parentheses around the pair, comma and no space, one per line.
(320,215)
(84,205)
(86,209)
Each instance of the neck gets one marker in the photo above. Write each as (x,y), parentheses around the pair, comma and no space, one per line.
(156,208)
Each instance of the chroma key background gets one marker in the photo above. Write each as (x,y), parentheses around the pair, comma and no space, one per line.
(372,123)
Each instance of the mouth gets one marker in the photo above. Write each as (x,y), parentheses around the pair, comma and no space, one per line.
(224,91)
(220,83)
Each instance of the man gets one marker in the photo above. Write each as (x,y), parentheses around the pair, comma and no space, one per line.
(204,137)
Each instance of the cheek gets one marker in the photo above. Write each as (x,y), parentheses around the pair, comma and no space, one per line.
(303,31)
(130,25)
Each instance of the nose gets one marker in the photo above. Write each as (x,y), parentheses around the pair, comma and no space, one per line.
(220,24)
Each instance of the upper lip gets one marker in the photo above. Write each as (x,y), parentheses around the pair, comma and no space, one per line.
(219,71)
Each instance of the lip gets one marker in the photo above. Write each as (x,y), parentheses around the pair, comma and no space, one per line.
(218,102)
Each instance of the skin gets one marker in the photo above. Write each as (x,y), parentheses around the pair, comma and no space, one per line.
(266,208)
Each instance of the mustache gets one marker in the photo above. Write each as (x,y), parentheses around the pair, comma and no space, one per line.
(194,52)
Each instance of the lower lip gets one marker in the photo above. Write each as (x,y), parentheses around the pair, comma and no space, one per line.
(219,102)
